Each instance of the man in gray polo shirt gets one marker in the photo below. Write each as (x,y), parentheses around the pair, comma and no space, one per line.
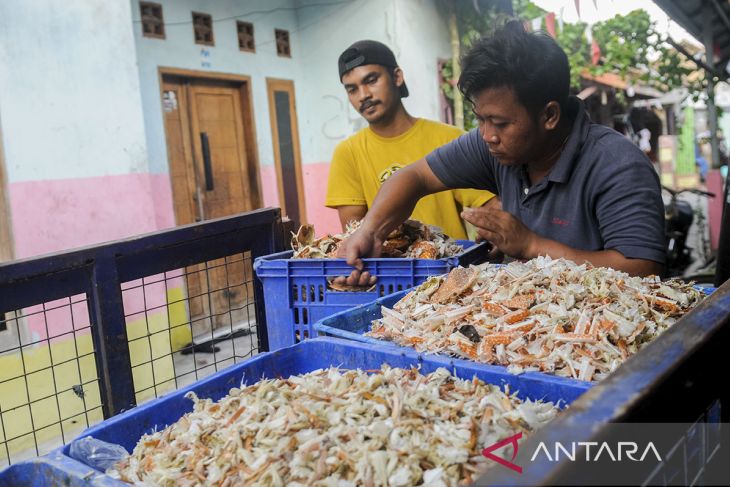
(568,187)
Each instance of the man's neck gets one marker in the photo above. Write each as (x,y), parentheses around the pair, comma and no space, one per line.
(538,169)
(396,125)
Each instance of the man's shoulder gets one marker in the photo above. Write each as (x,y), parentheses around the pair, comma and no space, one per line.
(616,158)
(352,141)
(440,129)
(613,147)
(354,138)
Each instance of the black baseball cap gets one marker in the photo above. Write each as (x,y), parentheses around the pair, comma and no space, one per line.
(368,52)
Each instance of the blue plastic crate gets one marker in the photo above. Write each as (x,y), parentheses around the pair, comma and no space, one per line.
(296,294)
(54,470)
(127,428)
(354,323)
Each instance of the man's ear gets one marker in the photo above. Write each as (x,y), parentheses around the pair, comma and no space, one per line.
(398,78)
(551,115)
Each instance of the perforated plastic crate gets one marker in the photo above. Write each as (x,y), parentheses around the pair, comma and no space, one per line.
(352,324)
(296,294)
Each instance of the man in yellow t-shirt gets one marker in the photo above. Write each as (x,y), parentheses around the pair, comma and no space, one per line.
(393,139)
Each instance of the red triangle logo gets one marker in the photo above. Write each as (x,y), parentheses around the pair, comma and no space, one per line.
(487,452)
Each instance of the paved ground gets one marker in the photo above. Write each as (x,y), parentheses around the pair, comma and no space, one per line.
(194,366)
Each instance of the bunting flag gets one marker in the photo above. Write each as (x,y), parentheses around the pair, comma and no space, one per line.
(550,24)
(577,7)
(595,52)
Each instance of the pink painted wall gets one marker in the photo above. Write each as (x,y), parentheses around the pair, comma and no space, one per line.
(270,185)
(50,216)
(61,319)
(714,206)
(325,219)
(314,177)
(57,215)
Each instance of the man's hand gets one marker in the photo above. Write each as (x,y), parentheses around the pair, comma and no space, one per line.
(363,243)
(512,237)
(503,230)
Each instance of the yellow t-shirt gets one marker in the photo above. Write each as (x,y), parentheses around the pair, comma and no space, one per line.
(362,163)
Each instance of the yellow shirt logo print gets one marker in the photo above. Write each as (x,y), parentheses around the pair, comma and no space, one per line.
(383,176)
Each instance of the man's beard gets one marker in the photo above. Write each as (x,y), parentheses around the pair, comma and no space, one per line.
(385,116)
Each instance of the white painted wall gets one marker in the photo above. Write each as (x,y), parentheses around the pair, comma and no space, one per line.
(422,38)
(69,90)
(179,50)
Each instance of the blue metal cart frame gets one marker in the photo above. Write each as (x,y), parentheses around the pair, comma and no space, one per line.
(99,270)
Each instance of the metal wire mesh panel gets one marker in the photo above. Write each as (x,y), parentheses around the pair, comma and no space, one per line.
(49,386)
(183,298)
(185,324)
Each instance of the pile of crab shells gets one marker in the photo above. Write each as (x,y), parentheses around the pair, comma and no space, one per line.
(543,315)
(338,428)
(412,239)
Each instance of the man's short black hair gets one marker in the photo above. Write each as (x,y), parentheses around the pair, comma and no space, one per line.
(532,64)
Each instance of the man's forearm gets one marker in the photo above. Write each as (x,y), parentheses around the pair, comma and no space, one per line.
(599,258)
(351,213)
(395,201)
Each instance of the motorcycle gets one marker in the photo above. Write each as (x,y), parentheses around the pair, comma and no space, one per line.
(679,216)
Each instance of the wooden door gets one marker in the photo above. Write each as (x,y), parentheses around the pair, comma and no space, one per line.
(287,155)
(211,168)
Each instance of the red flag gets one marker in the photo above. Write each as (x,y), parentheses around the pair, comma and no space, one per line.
(550,23)
(595,52)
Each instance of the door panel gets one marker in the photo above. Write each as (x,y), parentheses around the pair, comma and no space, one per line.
(179,151)
(217,289)
(285,135)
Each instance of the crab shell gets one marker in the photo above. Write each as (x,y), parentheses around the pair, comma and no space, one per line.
(423,249)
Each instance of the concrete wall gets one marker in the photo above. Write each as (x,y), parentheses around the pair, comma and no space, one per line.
(73,132)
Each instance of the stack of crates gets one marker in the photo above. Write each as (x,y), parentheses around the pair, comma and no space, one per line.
(296,292)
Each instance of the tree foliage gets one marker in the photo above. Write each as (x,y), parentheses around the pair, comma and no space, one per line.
(630,45)
(633,48)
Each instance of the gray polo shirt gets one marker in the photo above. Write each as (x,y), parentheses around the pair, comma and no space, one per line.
(602,193)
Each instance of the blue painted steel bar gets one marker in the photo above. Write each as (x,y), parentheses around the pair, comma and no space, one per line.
(113,364)
(673,380)
(99,270)
(261,248)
